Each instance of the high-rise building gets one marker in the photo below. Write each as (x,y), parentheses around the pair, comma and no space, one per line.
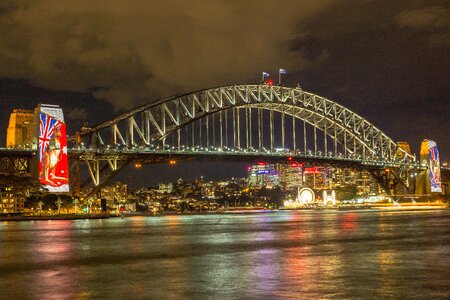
(18,134)
(364,183)
(263,174)
(10,202)
(114,193)
(290,175)
(317,178)
(343,176)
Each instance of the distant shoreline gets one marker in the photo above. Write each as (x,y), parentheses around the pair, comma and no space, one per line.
(56,217)
(233,211)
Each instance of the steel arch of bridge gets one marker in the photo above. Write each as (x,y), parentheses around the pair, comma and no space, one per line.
(166,116)
(153,123)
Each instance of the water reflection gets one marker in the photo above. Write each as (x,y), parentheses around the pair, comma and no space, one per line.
(268,255)
(50,246)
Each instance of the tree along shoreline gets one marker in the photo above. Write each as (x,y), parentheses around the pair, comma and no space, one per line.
(18,217)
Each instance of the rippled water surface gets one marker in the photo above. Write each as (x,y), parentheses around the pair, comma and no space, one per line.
(306,255)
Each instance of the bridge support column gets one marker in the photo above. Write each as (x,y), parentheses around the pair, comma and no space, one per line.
(193,134)
(75,178)
(226,128)
(221,129)
(271,130)
(315,135)
(260,134)
(325,142)
(200,129)
(304,136)
(282,129)
(250,126)
(238,128)
(129,134)
(213,130)
(207,131)
(335,140)
(293,135)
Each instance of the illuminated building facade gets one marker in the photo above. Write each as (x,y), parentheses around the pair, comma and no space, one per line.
(366,184)
(10,202)
(263,174)
(317,178)
(18,134)
(291,175)
(363,182)
(114,193)
(165,188)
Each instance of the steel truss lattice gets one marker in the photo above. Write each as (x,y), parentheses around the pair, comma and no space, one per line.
(227,110)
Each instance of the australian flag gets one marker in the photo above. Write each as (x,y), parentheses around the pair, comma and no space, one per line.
(46,129)
(283,71)
(265,74)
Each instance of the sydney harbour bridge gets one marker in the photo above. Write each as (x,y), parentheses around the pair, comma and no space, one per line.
(237,123)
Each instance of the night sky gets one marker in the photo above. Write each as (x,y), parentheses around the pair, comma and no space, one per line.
(389,61)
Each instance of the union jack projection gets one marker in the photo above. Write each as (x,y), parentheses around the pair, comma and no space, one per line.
(53,160)
(46,127)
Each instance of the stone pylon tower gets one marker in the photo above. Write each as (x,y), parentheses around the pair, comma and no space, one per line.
(18,134)
(429,180)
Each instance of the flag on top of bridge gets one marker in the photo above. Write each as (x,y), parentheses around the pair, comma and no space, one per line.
(265,74)
(283,71)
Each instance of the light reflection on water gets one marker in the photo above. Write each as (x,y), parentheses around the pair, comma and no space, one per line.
(261,255)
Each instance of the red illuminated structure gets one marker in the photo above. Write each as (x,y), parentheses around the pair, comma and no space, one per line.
(269,82)
(52,148)
(313,170)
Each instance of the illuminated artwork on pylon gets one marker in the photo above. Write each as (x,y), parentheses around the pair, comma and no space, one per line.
(53,160)
(435,168)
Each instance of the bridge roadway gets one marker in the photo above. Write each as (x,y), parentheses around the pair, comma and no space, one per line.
(22,158)
(146,155)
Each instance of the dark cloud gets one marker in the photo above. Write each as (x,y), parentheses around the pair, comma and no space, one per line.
(434,20)
(386,60)
(134,52)
(432,16)
(77,114)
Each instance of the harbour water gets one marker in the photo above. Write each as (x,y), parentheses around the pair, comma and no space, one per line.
(284,254)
